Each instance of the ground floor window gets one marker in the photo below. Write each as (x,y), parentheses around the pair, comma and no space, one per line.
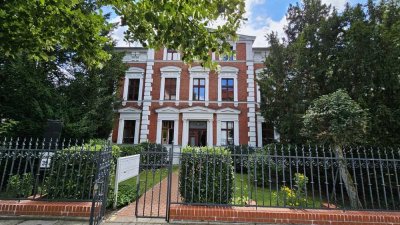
(129,132)
(227,133)
(197,133)
(167,132)
(267,133)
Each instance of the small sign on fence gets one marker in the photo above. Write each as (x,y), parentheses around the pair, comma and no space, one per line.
(127,167)
(45,161)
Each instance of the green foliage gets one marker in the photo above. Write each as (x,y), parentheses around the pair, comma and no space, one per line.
(32,92)
(335,119)
(323,51)
(240,155)
(43,27)
(181,25)
(78,26)
(126,195)
(206,175)
(6,126)
(73,171)
(262,166)
(153,155)
(20,186)
(127,150)
(296,196)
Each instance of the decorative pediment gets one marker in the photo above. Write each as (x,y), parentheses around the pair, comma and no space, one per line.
(135,70)
(170,69)
(229,69)
(199,70)
(129,110)
(197,109)
(228,111)
(167,110)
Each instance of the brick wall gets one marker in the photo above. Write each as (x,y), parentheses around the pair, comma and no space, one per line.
(43,208)
(283,216)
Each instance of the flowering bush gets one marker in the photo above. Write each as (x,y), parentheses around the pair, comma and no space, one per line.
(296,196)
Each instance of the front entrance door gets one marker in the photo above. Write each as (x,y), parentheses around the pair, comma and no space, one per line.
(197,133)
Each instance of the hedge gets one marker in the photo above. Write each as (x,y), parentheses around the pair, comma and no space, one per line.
(206,175)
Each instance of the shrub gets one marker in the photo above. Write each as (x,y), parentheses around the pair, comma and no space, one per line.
(206,175)
(240,155)
(153,155)
(126,195)
(20,186)
(296,196)
(263,167)
(127,150)
(73,171)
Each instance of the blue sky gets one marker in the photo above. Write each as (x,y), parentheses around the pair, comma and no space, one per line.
(264,16)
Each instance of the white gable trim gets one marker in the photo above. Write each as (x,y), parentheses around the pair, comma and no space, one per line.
(197,109)
(228,111)
(167,110)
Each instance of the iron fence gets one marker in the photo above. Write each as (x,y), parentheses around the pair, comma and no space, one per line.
(55,170)
(317,177)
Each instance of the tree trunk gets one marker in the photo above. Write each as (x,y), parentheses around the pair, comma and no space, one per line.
(347,179)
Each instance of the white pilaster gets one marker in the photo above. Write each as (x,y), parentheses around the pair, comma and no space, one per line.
(210,132)
(147,96)
(185,132)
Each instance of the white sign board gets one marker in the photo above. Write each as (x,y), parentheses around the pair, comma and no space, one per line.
(127,167)
(46,160)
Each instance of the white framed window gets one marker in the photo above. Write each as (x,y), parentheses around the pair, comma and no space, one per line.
(228,85)
(128,126)
(232,56)
(167,126)
(258,72)
(199,85)
(266,133)
(172,55)
(227,126)
(168,74)
(133,85)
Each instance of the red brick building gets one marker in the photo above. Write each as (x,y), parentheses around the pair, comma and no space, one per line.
(166,101)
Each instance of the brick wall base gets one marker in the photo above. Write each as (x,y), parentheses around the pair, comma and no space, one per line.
(282,216)
(44,208)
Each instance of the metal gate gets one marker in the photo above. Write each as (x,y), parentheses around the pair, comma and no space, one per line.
(154,183)
(100,188)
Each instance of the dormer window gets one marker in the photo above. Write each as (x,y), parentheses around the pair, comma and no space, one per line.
(231,56)
(173,55)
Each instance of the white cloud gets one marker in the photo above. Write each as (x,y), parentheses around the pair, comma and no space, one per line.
(338,4)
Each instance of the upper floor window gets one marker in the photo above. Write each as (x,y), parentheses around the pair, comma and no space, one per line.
(231,56)
(173,55)
(199,86)
(133,85)
(133,89)
(227,89)
(170,89)
(227,133)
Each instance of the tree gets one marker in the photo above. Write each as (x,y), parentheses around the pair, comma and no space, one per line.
(66,89)
(356,50)
(38,27)
(338,120)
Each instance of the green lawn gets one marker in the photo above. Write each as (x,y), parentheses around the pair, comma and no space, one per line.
(147,178)
(251,195)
